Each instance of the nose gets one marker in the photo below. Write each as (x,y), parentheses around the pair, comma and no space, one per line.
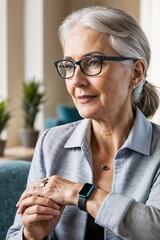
(79,79)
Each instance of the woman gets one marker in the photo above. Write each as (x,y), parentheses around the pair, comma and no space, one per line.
(99,176)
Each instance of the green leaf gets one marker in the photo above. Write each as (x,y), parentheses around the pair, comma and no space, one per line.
(4,114)
(32,99)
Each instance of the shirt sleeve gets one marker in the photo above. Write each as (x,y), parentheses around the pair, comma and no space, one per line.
(129,219)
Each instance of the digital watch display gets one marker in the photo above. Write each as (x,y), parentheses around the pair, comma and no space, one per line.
(84,194)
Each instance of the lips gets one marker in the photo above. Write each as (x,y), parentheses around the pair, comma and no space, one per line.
(86,98)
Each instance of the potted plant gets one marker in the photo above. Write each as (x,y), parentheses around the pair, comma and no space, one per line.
(32,99)
(4,118)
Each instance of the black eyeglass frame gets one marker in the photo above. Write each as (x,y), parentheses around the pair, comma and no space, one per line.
(100,57)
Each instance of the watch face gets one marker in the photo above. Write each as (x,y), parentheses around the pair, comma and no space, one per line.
(86,190)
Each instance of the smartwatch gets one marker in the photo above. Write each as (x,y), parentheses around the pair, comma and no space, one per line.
(84,194)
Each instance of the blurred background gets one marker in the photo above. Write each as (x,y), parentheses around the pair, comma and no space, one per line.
(29,44)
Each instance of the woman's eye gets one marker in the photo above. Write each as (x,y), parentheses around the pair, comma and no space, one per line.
(93,63)
(69,66)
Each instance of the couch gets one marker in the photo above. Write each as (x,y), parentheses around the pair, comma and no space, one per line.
(13,178)
(65,113)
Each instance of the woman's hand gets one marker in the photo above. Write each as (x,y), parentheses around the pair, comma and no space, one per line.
(61,191)
(42,203)
(39,215)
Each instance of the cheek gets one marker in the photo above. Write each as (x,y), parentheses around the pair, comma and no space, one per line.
(120,78)
(69,88)
(115,83)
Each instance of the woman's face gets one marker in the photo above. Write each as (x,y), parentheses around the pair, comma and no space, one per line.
(106,94)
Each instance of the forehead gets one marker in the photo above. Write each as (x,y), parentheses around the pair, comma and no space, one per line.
(83,40)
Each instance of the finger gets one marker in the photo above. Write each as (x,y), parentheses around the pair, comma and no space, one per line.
(41,210)
(34,189)
(34,200)
(29,219)
(27,193)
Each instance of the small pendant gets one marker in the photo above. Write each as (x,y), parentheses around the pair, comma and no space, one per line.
(105,167)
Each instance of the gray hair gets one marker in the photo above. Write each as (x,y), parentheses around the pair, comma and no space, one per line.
(126,37)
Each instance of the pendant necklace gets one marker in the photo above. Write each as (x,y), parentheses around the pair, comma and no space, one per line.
(106,167)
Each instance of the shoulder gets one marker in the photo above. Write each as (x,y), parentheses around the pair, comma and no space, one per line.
(155,126)
(156,130)
(155,139)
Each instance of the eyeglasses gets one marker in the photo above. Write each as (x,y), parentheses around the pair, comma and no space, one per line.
(90,65)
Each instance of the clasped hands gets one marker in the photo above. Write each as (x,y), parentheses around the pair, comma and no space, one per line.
(42,204)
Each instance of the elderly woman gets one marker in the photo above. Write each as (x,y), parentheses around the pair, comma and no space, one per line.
(100,177)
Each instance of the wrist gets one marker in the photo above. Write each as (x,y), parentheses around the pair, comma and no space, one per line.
(28,236)
(75,193)
(95,201)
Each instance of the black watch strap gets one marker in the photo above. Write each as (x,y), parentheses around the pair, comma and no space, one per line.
(84,194)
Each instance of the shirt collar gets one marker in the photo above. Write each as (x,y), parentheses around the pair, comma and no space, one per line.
(81,135)
(139,138)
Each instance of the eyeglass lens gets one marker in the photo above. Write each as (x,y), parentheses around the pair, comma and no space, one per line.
(90,66)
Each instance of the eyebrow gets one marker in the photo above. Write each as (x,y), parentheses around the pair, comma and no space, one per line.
(85,55)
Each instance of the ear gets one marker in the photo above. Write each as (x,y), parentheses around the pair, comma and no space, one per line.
(137,72)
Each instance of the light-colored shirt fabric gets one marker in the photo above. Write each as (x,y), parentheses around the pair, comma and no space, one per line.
(132,210)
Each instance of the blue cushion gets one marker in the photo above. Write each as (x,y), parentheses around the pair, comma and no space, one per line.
(52,122)
(13,178)
(68,113)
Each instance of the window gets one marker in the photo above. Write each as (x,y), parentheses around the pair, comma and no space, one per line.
(150,22)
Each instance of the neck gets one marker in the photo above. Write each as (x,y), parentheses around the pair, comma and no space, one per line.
(109,135)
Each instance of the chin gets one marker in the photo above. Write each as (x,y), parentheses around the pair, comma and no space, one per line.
(86,114)
(87,111)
